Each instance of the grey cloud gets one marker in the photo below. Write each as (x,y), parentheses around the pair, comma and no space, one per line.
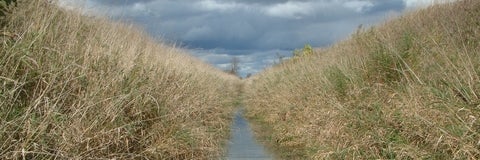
(251,61)
(385,6)
(261,2)
(246,29)
(121,2)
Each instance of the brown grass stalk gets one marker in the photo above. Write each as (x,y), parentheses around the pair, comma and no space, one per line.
(405,89)
(76,87)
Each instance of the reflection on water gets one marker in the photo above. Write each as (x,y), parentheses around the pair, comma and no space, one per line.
(242,143)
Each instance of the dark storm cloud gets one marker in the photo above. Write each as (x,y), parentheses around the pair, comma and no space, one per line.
(217,30)
(121,2)
(252,24)
(264,2)
(386,6)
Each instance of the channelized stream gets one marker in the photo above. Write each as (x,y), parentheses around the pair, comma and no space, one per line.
(242,144)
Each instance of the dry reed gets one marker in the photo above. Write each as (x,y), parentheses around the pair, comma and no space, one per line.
(405,89)
(76,87)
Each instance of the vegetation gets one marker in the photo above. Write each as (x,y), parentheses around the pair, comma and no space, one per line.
(5,7)
(234,67)
(307,50)
(75,87)
(406,89)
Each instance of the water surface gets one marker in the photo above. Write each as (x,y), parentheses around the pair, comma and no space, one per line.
(242,145)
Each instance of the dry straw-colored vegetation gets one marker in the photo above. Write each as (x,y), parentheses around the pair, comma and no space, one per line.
(405,89)
(76,87)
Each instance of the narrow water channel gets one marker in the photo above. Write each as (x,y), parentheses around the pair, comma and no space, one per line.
(242,145)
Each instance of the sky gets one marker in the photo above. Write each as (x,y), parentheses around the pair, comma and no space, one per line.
(257,32)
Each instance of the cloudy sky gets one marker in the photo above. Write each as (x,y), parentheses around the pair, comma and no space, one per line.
(255,31)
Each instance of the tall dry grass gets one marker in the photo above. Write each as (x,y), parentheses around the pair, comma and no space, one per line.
(406,89)
(73,87)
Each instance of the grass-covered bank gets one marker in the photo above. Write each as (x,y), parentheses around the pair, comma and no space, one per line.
(406,89)
(86,88)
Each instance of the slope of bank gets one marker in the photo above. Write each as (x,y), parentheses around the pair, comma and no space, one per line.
(76,87)
(406,89)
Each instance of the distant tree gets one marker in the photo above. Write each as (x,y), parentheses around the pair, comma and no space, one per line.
(248,75)
(234,66)
(280,58)
(306,51)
